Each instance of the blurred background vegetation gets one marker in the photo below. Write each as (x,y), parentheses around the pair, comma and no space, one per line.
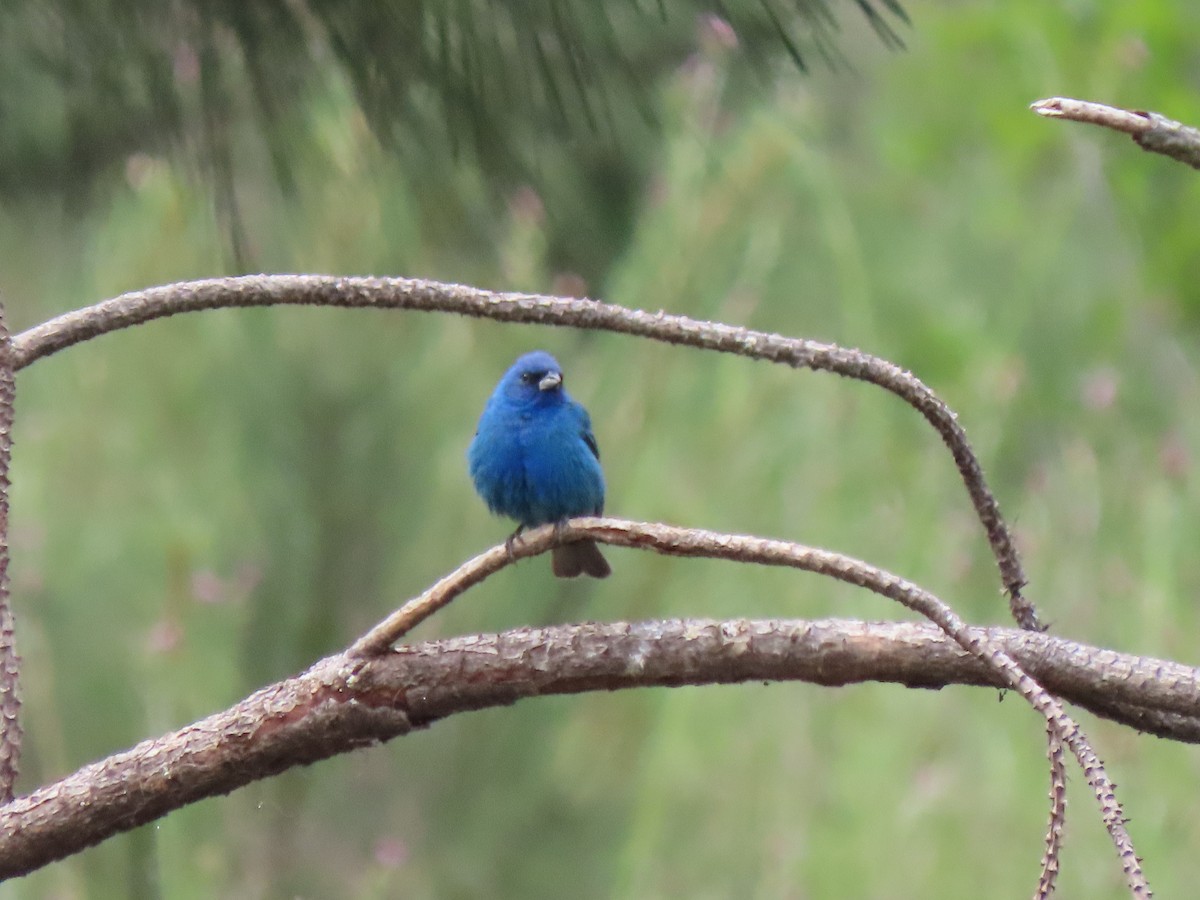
(209,503)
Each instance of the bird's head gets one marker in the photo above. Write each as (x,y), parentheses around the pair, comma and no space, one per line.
(534,378)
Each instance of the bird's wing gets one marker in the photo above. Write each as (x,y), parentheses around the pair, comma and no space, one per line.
(585,430)
(590,440)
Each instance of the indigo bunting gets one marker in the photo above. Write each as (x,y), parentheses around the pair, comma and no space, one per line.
(534,459)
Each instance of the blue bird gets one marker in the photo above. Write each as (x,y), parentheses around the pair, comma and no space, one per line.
(534,459)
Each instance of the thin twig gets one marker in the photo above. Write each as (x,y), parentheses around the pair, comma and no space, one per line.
(10,662)
(399,293)
(693,542)
(1048,879)
(381,638)
(1153,695)
(1149,130)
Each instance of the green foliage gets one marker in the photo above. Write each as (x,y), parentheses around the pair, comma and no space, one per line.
(557,93)
(208,503)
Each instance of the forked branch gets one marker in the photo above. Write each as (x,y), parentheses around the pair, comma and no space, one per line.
(370,693)
(744,548)
(142,306)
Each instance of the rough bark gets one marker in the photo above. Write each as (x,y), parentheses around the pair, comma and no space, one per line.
(348,701)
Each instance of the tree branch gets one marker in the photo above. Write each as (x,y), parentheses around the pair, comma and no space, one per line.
(399,293)
(10,661)
(748,549)
(345,702)
(1048,878)
(743,548)
(143,306)
(1149,130)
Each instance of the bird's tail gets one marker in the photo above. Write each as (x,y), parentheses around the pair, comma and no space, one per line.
(579,558)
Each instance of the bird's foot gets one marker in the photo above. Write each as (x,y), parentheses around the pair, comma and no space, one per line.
(511,542)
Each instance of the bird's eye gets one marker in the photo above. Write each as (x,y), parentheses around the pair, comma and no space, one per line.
(530,377)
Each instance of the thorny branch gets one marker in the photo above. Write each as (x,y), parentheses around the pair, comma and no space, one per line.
(694,542)
(401,293)
(1149,130)
(1058,816)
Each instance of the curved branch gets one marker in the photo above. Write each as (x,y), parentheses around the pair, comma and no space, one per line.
(762,551)
(345,702)
(401,293)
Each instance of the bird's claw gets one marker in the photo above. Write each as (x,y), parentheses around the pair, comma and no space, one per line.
(511,541)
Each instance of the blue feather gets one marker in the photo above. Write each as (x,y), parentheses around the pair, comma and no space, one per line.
(534,458)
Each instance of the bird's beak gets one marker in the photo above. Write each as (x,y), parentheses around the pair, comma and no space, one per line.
(549,381)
